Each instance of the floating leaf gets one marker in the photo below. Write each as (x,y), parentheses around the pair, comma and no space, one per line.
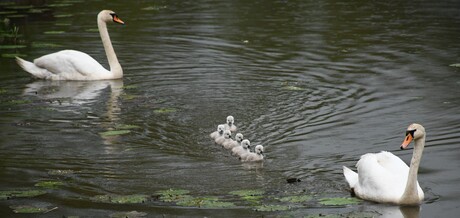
(131,214)
(28,209)
(338,201)
(13,55)
(248,192)
(114,132)
(49,184)
(54,32)
(12,46)
(264,208)
(130,87)
(296,198)
(120,199)
(164,110)
(45,45)
(21,194)
(204,202)
(173,195)
(253,196)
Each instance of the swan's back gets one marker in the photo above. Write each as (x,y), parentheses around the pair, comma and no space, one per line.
(72,65)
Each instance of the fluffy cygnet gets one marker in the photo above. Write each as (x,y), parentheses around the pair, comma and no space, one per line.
(230,124)
(257,156)
(227,137)
(242,150)
(229,144)
(219,132)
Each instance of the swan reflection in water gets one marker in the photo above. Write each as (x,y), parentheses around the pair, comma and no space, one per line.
(81,97)
(392,211)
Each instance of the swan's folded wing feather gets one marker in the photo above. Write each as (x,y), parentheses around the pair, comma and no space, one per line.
(70,64)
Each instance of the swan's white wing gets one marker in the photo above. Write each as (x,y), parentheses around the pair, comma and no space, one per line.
(382,177)
(71,65)
(350,176)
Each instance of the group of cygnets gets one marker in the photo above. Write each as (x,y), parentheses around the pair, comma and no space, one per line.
(239,147)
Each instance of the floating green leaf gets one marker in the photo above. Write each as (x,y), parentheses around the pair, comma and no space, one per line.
(12,46)
(28,209)
(49,184)
(131,214)
(204,202)
(253,196)
(296,198)
(264,208)
(114,132)
(21,194)
(45,45)
(164,110)
(56,32)
(338,201)
(13,55)
(173,195)
(120,199)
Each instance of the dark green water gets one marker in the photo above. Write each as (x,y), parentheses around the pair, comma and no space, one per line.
(318,83)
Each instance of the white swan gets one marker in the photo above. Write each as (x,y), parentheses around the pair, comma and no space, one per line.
(230,144)
(226,137)
(76,65)
(257,156)
(385,178)
(230,124)
(219,132)
(243,150)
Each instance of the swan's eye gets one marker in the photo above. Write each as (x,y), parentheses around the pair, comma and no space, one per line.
(411,132)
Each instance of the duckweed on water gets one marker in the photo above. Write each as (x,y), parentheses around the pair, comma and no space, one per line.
(338,201)
(131,214)
(114,133)
(173,195)
(253,196)
(49,184)
(28,209)
(127,126)
(164,110)
(203,202)
(296,198)
(120,199)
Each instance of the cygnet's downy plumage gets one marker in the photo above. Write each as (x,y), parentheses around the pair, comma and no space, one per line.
(257,156)
(229,144)
(230,125)
(219,132)
(226,137)
(243,150)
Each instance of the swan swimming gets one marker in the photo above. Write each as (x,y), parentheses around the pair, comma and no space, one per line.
(258,155)
(385,178)
(230,144)
(76,65)
(230,125)
(219,132)
(243,150)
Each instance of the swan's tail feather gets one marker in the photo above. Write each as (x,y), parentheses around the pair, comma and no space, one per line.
(32,68)
(350,176)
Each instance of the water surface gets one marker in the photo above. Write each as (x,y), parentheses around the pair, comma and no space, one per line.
(317,83)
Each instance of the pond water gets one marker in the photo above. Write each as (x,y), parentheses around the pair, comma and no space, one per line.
(318,83)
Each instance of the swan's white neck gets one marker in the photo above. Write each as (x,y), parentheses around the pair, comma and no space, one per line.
(411,195)
(115,66)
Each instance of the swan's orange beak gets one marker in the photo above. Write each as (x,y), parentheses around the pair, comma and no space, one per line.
(407,141)
(116,19)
